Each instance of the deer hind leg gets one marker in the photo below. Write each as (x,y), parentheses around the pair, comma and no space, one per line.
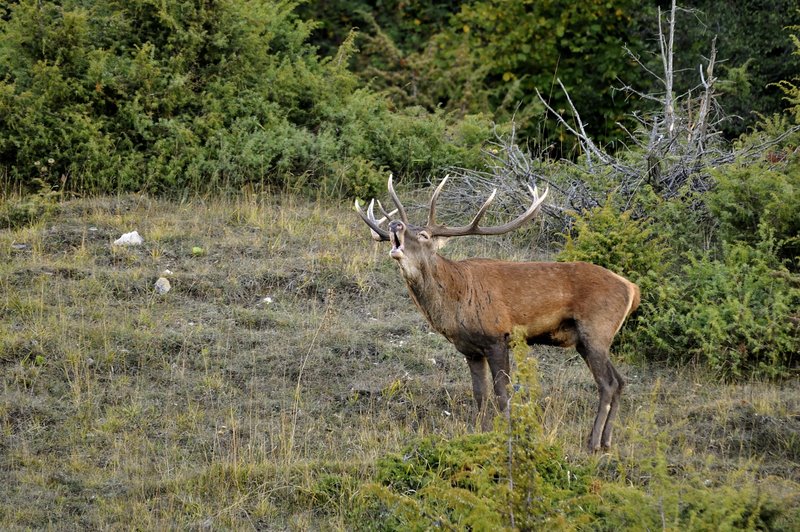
(609,385)
(605,441)
(479,369)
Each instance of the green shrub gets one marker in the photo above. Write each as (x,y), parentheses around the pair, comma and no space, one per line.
(16,212)
(736,314)
(164,96)
(747,196)
(455,483)
(789,87)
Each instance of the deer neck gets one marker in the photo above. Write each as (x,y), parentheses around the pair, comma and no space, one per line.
(434,286)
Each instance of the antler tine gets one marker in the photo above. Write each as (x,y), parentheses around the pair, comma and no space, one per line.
(386,215)
(378,233)
(473,229)
(432,207)
(483,209)
(397,202)
(371,211)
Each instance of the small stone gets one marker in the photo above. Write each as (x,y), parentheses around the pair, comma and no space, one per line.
(129,239)
(162,286)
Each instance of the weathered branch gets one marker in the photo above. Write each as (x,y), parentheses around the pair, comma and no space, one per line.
(667,61)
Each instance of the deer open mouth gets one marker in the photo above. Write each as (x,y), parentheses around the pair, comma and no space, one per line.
(397,245)
(396,234)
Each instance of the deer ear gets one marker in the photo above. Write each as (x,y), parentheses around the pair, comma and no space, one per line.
(440,241)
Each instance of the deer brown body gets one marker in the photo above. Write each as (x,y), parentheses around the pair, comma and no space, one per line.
(477,303)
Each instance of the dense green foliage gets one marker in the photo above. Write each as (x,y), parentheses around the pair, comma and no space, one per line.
(736,314)
(515,49)
(489,56)
(748,196)
(160,96)
(409,25)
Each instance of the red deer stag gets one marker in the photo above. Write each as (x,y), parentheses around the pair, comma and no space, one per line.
(476,303)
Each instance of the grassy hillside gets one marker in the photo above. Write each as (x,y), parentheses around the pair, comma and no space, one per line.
(284,366)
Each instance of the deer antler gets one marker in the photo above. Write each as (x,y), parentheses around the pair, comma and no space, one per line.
(378,233)
(432,206)
(397,202)
(472,228)
(434,229)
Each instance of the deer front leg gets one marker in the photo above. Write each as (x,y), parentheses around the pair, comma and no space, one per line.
(479,370)
(501,374)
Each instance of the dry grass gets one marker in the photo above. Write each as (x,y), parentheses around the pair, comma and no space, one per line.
(286,352)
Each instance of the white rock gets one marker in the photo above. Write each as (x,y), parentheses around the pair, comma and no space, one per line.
(162,286)
(129,239)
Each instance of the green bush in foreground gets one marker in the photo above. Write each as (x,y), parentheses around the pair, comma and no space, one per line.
(747,196)
(514,478)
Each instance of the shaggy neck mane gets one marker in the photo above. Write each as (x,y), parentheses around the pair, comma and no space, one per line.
(435,287)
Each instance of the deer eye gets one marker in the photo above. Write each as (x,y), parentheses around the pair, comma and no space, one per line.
(423,235)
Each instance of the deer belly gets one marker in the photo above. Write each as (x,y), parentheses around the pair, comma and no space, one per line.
(565,334)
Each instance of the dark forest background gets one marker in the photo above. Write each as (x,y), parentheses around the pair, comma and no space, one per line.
(158,96)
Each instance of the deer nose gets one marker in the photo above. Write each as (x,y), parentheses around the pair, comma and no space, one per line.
(397,226)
